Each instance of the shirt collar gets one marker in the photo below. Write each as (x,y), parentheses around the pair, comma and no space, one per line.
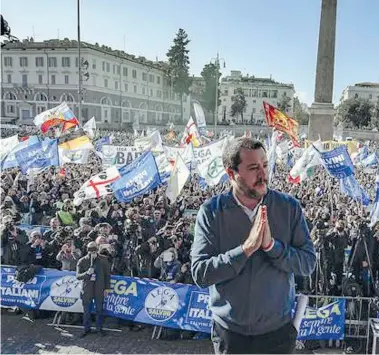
(251,213)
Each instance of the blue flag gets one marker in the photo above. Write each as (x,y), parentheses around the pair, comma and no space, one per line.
(363,153)
(102,141)
(369,161)
(137,178)
(338,162)
(375,208)
(32,156)
(350,187)
(50,149)
(10,160)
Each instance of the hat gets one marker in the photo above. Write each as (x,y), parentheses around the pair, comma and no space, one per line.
(92,246)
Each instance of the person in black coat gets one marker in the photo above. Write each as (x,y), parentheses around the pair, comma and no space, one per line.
(94,270)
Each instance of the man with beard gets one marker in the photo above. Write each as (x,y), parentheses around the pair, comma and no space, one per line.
(249,244)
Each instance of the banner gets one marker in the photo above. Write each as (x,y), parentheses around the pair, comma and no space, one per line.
(32,156)
(327,322)
(119,156)
(137,178)
(146,301)
(200,154)
(338,162)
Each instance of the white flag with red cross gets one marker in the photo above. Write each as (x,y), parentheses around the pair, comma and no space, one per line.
(97,186)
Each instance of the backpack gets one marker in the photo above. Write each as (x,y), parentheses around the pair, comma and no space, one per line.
(25,273)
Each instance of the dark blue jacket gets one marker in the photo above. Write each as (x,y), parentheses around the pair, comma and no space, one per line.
(254,295)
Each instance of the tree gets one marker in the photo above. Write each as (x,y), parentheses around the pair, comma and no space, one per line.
(239,104)
(300,113)
(284,103)
(210,74)
(355,113)
(179,66)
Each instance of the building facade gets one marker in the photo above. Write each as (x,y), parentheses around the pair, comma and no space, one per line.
(256,90)
(118,89)
(366,91)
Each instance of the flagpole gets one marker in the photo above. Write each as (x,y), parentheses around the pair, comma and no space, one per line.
(80,69)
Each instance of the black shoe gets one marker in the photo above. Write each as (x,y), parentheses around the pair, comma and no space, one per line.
(85,333)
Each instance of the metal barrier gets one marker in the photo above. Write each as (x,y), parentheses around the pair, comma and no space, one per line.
(358,312)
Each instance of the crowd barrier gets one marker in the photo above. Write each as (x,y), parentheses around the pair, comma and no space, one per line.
(151,302)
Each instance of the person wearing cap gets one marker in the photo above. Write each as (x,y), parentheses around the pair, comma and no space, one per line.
(94,270)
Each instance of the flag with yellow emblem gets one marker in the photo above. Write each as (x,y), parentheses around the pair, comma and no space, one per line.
(280,121)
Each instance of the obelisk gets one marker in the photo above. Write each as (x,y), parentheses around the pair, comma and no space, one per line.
(322,110)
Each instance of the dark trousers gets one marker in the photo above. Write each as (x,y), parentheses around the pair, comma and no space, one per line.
(87,302)
(280,341)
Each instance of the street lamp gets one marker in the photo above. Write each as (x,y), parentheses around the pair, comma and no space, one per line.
(217,61)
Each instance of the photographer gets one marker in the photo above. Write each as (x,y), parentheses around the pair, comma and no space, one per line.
(68,256)
(169,265)
(37,254)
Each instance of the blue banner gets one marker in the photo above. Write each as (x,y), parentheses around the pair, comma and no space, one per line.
(370,161)
(350,187)
(338,162)
(327,322)
(146,301)
(50,149)
(137,178)
(32,157)
(10,160)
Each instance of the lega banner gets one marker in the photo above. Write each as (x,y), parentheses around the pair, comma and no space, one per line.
(146,301)
(119,155)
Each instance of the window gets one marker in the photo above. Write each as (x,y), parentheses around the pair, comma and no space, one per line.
(134,74)
(66,79)
(254,101)
(52,62)
(10,109)
(118,70)
(25,114)
(274,94)
(126,86)
(254,110)
(159,93)
(105,83)
(103,66)
(143,91)
(53,79)
(8,61)
(151,92)
(264,94)
(116,85)
(114,68)
(284,93)
(23,61)
(135,89)
(40,80)
(24,80)
(151,78)
(108,67)
(40,109)
(66,62)
(9,76)
(93,63)
(158,79)
(254,93)
(40,97)
(144,76)
(125,71)
(39,61)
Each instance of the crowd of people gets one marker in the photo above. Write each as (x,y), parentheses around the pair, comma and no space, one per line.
(151,238)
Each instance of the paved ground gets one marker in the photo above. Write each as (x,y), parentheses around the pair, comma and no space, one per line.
(22,335)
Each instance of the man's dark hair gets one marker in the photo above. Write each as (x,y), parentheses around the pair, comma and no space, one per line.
(231,155)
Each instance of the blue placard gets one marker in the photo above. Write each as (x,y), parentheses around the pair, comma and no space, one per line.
(338,162)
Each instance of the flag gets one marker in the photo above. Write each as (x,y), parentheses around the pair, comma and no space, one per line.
(279,120)
(370,160)
(97,186)
(10,160)
(350,187)
(191,134)
(75,140)
(179,177)
(75,156)
(90,127)
(103,141)
(153,141)
(59,115)
(375,208)
(337,162)
(32,156)
(137,178)
(304,166)
(199,115)
(7,144)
